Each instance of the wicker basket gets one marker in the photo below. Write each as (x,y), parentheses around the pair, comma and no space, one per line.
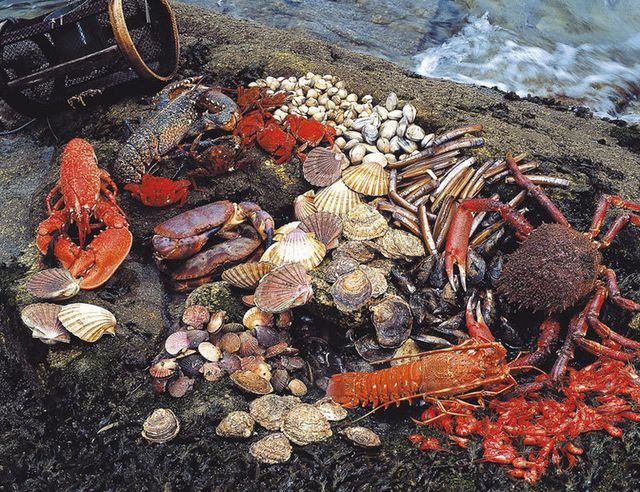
(83,49)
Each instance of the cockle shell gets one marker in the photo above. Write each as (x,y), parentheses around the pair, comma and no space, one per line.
(369,179)
(161,426)
(283,288)
(304,205)
(269,410)
(252,383)
(42,319)
(256,317)
(364,222)
(296,247)
(53,283)
(351,291)
(326,226)
(361,437)
(322,166)
(272,449)
(304,424)
(86,321)
(337,199)
(246,275)
(238,425)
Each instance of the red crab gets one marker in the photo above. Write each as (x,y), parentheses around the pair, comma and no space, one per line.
(309,132)
(215,157)
(87,192)
(554,269)
(157,191)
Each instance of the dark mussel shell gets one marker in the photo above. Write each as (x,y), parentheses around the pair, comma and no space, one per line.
(370,350)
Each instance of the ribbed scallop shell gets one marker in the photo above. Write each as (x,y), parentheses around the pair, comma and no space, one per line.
(161,426)
(304,205)
(86,321)
(322,166)
(42,319)
(283,288)
(337,199)
(326,226)
(53,283)
(369,179)
(281,232)
(364,222)
(351,291)
(257,317)
(246,275)
(296,247)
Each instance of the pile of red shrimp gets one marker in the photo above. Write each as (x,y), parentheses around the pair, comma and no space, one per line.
(597,397)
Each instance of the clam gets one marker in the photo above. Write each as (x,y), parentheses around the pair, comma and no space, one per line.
(211,371)
(415,133)
(251,383)
(401,129)
(397,244)
(333,412)
(369,179)
(209,351)
(360,123)
(297,387)
(392,101)
(296,247)
(195,316)
(337,199)
(237,425)
(53,283)
(396,114)
(361,437)
(246,275)
(407,146)
(383,145)
(351,291)
(42,319)
(392,320)
(322,166)
(357,153)
(269,410)
(86,321)
(256,317)
(376,157)
(388,129)
(215,321)
(326,226)
(409,112)
(364,222)
(370,134)
(304,424)
(161,426)
(283,288)
(272,449)
(304,205)
(164,368)
(370,350)
(179,387)
(377,278)
(428,140)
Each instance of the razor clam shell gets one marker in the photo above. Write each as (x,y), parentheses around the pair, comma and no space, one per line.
(42,319)
(322,166)
(53,283)
(326,226)
(337,199)
(283,288)
(246,275)
(86,321)
(368,179)
(296,247)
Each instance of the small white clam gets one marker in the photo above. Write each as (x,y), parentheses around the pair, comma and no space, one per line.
(391,102)
(409,112)
(415,133)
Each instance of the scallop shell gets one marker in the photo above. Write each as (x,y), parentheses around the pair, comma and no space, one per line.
(296,247)
(42,319)
(86,321)
(272,449)
(53,283)
(279,380)
(326,226)
(238,425)
(248,345)
(269,410)
(337,199)
(161,426)
(216,321)
(333,412)
(364,222)
(304,205)
(281,232)
(180,341)
(283,288)
(230,342)
(304,424)
(351,291)
(322,166)
(256,317)
(361,437)
(191,364)
(195,316)
(211,371)
(369,179)
(392,320)
(210,352)
(267,336)
(252,383)
(163,369)
(177,388)
(246,275)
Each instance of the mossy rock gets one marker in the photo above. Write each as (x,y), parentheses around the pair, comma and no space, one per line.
(218,296)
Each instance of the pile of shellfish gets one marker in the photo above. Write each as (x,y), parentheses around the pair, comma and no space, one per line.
(53,323)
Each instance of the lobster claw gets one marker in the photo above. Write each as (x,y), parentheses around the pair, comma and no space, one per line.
(102,257)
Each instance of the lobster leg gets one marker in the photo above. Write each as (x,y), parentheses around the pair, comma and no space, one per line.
(458,236)
(53,191)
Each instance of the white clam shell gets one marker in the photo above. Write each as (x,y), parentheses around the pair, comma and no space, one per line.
(409,112)
(392,101)
(415,133)
(396,114)
(388,129)
(370,133)
(357,153)
(401,129)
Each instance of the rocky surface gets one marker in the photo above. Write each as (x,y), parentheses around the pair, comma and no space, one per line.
(71,416)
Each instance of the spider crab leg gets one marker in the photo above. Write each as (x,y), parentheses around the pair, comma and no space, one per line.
(549,332)
(601,210)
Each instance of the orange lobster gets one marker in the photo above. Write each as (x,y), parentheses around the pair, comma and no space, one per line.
(87,192)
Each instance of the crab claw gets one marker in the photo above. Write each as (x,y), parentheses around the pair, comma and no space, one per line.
(475,325)
(263,222)
(103,256)
(457,245)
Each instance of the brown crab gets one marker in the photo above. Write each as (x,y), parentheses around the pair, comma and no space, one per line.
(554,268)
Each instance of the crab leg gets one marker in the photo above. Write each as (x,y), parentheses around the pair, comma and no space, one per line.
(616,227)
(614,292)
(549,332)
(458,237)
(476,325)
(601,210)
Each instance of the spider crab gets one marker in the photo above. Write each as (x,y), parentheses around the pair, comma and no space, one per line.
(555,268)
(87,192)
(184,236)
